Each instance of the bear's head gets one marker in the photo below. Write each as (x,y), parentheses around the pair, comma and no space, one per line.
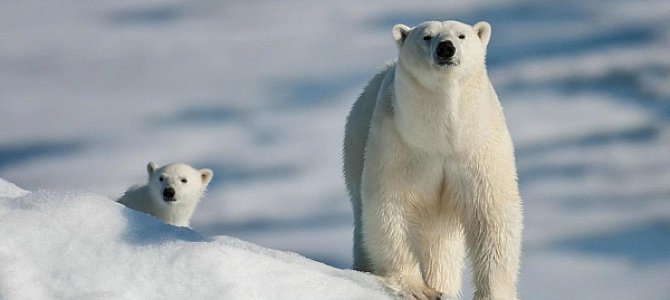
(177,183)
(437,48)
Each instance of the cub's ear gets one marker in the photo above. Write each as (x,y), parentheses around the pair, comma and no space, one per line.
(400,33)
(151,168)
(483,30)
(206,176)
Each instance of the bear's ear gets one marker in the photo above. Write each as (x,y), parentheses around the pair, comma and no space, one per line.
(206,176)
(400,33)
(483,30)
(151,168)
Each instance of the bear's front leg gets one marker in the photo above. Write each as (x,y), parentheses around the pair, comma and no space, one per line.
(397,185)
(442,250)
(389,244)
(493,234)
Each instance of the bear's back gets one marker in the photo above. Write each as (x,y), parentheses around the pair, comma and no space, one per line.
(357,129)
(138,197)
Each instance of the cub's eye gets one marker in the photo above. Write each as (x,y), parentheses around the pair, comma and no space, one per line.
(183,180)
(462,36)
(427,37)
(160,179)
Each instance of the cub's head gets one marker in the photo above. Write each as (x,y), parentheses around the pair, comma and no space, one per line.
(449,47)
(177,183)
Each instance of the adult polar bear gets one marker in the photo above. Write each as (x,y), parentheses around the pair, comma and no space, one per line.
(429,165)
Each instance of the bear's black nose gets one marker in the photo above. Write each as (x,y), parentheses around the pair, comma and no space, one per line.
(445,50)
(168,193)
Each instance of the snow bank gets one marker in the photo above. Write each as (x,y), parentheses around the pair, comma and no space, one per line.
(69,244)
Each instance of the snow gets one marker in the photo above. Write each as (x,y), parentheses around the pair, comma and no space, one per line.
(92,91)
(79,245)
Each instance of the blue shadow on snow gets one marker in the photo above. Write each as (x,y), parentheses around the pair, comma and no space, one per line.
(642,134)
(226,172)
(645,243)
(19,153)
(150,15)
(204,114)
(308,92)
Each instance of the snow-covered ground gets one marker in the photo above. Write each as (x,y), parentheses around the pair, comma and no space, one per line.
(72,244)
(259,91)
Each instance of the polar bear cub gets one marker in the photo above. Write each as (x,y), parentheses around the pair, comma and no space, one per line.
(172,193)
(430,169)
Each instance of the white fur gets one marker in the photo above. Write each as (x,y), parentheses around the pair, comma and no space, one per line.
(149,198)
(429,165)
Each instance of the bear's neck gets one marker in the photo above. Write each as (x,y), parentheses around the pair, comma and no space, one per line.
(438,115)
(178,214)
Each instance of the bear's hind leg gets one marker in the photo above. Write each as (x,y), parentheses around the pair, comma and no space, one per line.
(361,258)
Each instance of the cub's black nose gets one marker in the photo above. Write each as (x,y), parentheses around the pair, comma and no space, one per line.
(445,50)
(168,193)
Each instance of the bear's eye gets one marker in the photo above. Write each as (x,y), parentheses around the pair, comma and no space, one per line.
(160,179)
(427,37)
(183,180)
(462,36)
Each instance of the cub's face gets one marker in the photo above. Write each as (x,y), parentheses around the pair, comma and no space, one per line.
(442,48)
(177,184)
